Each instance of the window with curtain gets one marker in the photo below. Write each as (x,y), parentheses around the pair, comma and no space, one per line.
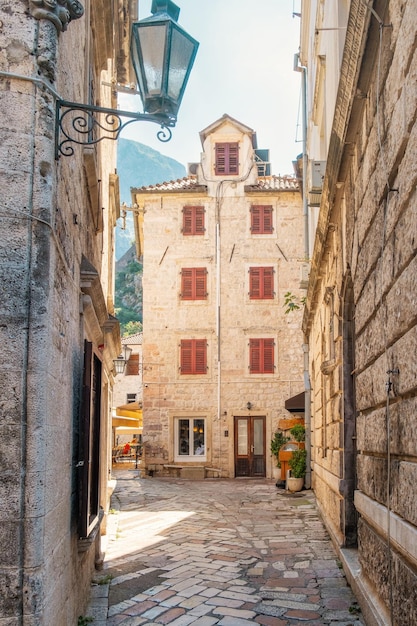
(190,438)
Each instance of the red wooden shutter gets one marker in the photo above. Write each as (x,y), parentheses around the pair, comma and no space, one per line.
(186,356)
(256,220)
(233,158)
(267,226)
(226,159)
(268,282)
(254,356)
(261,283)
(200,356)
(187,222)
(268,360)
(220,165)
(193,356)
(186,284)
(199,220)
(261,220)
(132,366)
(261,356)
(255,283)
(200,283)
(194,283)
(193,220)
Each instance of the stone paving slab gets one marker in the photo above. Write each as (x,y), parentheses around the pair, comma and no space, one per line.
(217,552)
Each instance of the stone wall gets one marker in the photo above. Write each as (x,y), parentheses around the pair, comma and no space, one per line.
(47,226)
(366,238)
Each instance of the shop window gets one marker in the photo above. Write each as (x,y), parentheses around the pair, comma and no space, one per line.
(261,220)
(193,220)
(193,356)
(190,438)
(261,283)
(261,356)
(194,283)
(226,159)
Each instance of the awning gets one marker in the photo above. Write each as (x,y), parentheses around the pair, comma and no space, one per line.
(129,422)
(129,415)
(296,404)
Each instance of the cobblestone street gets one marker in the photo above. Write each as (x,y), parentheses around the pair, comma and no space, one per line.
(226,552)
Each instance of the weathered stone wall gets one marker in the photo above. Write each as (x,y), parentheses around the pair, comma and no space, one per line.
(46,226)
(375,221)
(384,263)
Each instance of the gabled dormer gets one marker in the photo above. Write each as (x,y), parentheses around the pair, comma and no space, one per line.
(228,151)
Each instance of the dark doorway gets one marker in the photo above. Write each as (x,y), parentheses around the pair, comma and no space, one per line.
(250,446)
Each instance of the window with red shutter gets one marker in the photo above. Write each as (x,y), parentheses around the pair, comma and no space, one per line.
(261,220)
(193,356)
(261,356)
(226,159)
(132,366)
(193,283)
(261,283)
(193,220)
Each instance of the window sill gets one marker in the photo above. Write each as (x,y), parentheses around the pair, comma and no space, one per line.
(85,543)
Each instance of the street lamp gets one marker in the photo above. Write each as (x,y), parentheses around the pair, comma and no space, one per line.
(162,57)
(122,359)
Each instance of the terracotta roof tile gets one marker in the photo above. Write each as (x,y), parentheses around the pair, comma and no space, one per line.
(274,183)
(188,183)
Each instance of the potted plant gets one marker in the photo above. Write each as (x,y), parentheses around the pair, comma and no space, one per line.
(298,466)
(277,442)
(298,433)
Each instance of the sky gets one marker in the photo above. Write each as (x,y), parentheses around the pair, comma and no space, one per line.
(244,68)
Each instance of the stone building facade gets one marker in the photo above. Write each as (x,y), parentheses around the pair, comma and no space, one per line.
(220,249)
(57,327)
(360,318)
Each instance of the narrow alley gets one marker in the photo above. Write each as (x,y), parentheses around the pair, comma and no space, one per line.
(226,552)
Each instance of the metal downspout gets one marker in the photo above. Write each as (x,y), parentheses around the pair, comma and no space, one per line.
(307,387)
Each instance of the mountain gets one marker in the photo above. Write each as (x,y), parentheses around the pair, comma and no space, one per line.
(137,165)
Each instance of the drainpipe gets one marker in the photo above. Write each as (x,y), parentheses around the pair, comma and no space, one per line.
(303,70)
(307,387)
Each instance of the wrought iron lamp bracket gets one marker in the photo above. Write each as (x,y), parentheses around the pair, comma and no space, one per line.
(86,125)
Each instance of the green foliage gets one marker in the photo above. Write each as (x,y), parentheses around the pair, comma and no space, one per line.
(298,432)
(132,328)
(105,579)
(298,463)
(277,442)
(293,302)
(83,620)
(128,296)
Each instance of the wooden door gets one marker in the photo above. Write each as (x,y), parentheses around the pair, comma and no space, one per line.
(250,446)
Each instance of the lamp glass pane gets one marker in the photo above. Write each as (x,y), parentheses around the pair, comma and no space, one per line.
(152,43)
(182,51)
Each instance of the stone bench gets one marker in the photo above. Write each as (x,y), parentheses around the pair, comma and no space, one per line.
(213,472)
